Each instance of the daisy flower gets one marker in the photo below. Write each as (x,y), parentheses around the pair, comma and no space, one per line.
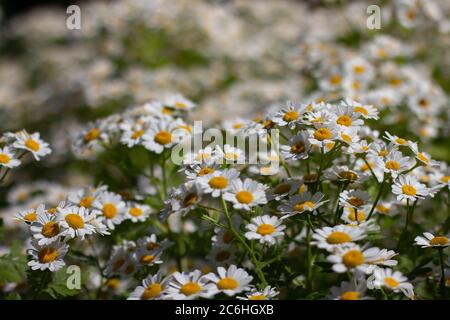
(7,158)
(247,194)
(49,256)
(178,102)
(137,212)
(365,111)
(76,221)
(408,188)
(205,156)
(153,288)
(429,240)
(393,280)
(183,199)
(29,215)
(298,147)
(132,132)
(188,286)
(354,198)
(151,243)
(230,154)
(32,143)
(288,116)
(304,202)
(353,258)
(266,229)
(397,140)
(161,135)
(110,209)
(85,197)
(423,157)
(394,163)
(283,189)
(45,229)
(345,116)
(218,182)
(329,238)
(267,294)
(148,257)
(221,254)
(323,135)
(350,290)
(231,281)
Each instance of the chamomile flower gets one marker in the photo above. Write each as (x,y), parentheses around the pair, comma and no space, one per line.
(218,182)
(46,229)
(245,195)
(345,116)
(365,111)
(329,238)
(283,189)
(265,229)
(188,286)
(178,102)
(161,135)
(153,288)
(354,198)
(29,215)
(230,281)
(423,157)
(8,159)
(298,147)
(202,156)
(408,188)
(109,208)
(32,143)
(76,221)
(230,154)
(393,280)
(304,202)
(221,254)
(429,240)
(132,132)
(350,290)
(397,140)
(323,135)
(289,116)
(267,294)
(49,256)
(151,243)
(85,197)
(148,257)
(183,199)
(394,163)
(353,258)
(137,212)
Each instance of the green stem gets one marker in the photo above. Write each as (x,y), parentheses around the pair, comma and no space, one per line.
(380,191)
(309,255)
(242,241)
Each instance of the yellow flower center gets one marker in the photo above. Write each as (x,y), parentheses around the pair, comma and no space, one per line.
(335,79)
(204,171)
(129,269)
(4,158)
(86,202)
(353,258)
(344,120)
(400,141)
(322,134)
(152,245)
(30,217)
(265,229)
(391,282)
(409,190)
(392,165)
(227,284)
(218,182)
(355,215)
(118,264)
(302,206)
(137,134)
(423,158)
(222,255)
(257,297)
(52,210)
(152,291)
(423,103)
(348,175)
(346,138)
(190,200)
(136,212)
(383,209)
(445,179)
(227,237)
(439,240)
(355,201)
(147,259)
(74,221)
(298,147)
(290,116)
(282,188)
(237,125)
(47,255)
(359,69)
(190,288)
(180,105)
(92,134)
(231,156)
(163,137)
(244,197)
(350,295)
(109,210)
(50,229)
(32,144)
(383,153)
(338,237)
